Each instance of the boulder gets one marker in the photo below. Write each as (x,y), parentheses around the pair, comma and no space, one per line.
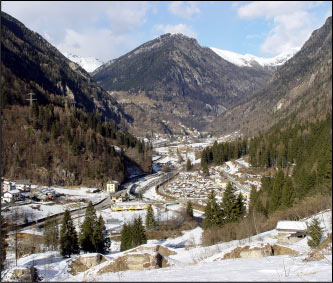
(22,274)
(136,261)
(280,250)
(83,263)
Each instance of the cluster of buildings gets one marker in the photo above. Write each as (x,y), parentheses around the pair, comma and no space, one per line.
(14,191)
(22,189)
(194,186)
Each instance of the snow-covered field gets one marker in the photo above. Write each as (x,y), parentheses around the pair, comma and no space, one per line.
(193,262)
(74,198)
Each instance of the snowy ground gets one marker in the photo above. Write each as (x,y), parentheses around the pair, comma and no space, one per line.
(196,263)
(74,198)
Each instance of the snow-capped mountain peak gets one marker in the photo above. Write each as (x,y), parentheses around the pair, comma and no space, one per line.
(88,63)
(249,60)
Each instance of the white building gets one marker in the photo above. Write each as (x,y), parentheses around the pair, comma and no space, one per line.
(8,186)
(112,186)
(12,195)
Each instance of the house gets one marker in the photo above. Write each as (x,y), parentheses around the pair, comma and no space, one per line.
(291,231)
(112,186)
(12,195)
(8,186)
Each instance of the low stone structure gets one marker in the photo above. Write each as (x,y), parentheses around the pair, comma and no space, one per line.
(83,263)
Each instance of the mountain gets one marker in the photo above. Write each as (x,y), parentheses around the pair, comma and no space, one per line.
(31,64)
(300,89)
(68,135)
(88,63)
(249,60)
(172,81)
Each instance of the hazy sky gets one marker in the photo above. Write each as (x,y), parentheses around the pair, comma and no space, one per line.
(107,30)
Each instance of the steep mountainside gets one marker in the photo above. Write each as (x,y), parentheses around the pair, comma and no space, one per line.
(173,78)
(30,64)
(52,142)
(301,88)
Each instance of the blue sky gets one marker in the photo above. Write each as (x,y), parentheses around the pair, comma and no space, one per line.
(107,30)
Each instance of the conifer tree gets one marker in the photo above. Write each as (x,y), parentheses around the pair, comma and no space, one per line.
(213,213)
(150,219)
(68,236)
(189,209)
(98,238)
(240,207)
(229,205)
(88,226)
(139,235)
(125,240)
(315,232)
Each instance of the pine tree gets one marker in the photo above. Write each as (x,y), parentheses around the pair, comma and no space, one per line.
(68,236)
(229,205)
(4,243)
(150,219)
(139,235)
(87,229)
(51,233)
(98,238)
(189,209)
(315,232)
(240,207)
(213,213)
(125,239)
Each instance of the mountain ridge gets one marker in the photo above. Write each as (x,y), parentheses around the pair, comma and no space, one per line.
(187,83)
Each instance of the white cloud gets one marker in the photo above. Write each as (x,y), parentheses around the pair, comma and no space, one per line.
(184,9)
(180,28)
(292,23)
(103,29)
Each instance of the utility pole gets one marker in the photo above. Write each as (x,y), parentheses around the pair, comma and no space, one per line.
(31,99)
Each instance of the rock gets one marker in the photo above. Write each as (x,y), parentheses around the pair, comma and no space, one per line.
(280,250)
(22,274)
(256,252)
(164,251)
(267,250)
(83,263)
(136,261)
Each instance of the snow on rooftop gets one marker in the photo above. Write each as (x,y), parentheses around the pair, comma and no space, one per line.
(291,225)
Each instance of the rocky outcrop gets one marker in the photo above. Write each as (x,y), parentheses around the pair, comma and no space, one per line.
(140,258)
(83,263)
(164,251)
(22,274)
(256,252)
